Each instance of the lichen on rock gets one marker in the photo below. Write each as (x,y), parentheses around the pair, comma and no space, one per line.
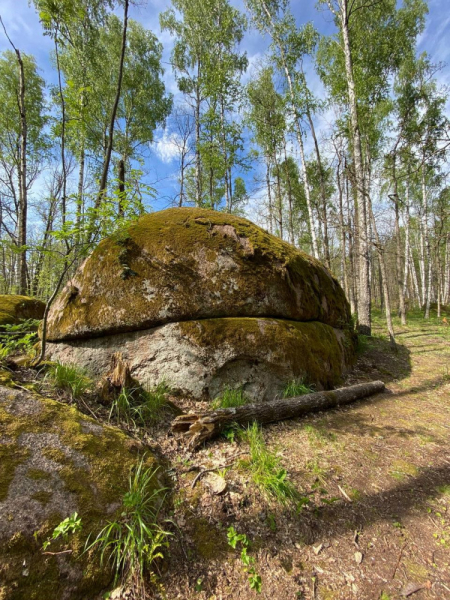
(55,461)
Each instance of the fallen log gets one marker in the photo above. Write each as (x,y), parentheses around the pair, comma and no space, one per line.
(200,427)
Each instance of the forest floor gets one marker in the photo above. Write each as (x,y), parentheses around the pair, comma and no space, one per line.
(377,477)
(374,478)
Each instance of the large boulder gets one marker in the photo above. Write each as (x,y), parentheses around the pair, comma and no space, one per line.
(15,309)
(203,300)
(55,461)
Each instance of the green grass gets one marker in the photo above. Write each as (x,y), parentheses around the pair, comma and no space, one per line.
(363,344)
(134,541)
(296,388)
(266,470)
(230,398)
(137,406)
(70,378)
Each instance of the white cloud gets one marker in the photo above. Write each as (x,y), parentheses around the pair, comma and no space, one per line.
(166,147)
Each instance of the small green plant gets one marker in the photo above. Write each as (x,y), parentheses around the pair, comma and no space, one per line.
(232,432)
(134,541)
(18,339)
(234,538)
(230,398)
(136,406)
(363,344)
(266,470)
(70,525)
(69,378)
(296,387)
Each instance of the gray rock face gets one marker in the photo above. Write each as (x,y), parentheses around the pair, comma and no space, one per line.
(55,461)
(201,358)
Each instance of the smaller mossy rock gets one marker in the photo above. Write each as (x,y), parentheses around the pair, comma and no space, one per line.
(15,309)
(55,461)
(203,357)
(189,263)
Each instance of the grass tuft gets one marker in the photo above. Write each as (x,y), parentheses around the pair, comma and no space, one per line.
(69,378)
(230,398)
(137,406)
(296,388)
(134,541)
(266,470)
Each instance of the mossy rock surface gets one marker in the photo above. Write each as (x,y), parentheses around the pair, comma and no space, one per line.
(203,357)
(187,264)
(55,461)
(15,309)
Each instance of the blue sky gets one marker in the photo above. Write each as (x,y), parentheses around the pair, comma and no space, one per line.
(24,28)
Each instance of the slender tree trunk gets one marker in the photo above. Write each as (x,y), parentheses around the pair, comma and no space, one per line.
(342,230)
(280,199)
(447,270)
(427,246)
(48,228)
(23,200)
(351,254)
(398,257)
(323,192)
(414,278)
(225,158)
(364,312)
(383,273)
(121,177)
(269,195)
(198,164)
(312,228)
(63,137)
(405,274)
(290,200)
(80,194)
(104,178)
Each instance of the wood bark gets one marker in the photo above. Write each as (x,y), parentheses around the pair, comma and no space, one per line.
(121,177)
(326,242)
(23,200)
(109,148)
(117,379)
(203,426)
(198,162)
(364,314)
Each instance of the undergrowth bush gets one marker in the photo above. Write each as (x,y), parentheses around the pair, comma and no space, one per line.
(296,387)
(134,541)
(18,339)
(230,398)
(266,470)
(136,406)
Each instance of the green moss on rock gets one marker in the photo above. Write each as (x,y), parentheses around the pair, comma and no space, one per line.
(311,351)
(15,309)
(189,263)
(53,461)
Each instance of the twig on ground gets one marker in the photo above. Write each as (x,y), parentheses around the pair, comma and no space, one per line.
(203,471)
(399,559)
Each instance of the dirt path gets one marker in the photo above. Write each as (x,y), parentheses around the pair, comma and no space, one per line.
(377,477)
